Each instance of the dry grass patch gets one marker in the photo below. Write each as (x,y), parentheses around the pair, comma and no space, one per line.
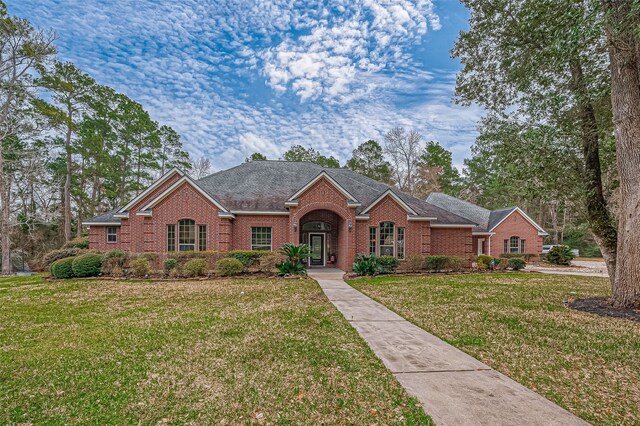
(517,324)
(232,351)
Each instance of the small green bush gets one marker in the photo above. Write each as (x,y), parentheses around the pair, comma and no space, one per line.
(436,263)
(485,258)
(170,264)
(516,263)
(229,266)
(560,255)
(140,267)
(79,243)
(366,265)
(454,263)
(268,262)
(195,268)
(289,268)
(63,253)
(87,265)
(62,268)
(113,262)
(247,257)
(415,263)
(387,264)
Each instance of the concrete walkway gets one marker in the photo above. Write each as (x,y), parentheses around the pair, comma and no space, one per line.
(453,387)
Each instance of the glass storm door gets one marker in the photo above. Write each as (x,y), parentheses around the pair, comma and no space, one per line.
(316,242)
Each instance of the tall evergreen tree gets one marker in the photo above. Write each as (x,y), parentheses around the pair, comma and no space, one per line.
(368,159)
(436,171)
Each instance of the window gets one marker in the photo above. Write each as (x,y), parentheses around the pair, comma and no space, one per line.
(112,234)
(186,235)
(514,244)
(171,238)
(260,238)
(522,246)
(505,248)
(372,240)
(202,237)
(400,243)
(387,239)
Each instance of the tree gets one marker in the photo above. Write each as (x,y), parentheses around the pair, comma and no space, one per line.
(70,91)
(23,49)
(172,155)
(256,156)
(545,62)
(300,153)
(436,170)
(621,26)
(201,168)
(368,159)
(404,150)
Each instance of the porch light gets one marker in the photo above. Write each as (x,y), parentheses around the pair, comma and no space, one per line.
(295,226)
(350,225)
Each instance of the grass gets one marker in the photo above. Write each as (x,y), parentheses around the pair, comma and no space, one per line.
(235,351)
(517,324)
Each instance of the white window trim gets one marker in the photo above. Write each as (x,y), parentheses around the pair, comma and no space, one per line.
(114,234)
(270,237)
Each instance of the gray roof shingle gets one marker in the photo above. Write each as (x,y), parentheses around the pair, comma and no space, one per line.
(104,218)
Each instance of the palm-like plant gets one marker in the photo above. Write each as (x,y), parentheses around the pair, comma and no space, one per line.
(295,253)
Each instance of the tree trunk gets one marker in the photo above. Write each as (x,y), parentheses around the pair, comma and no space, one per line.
(625,100)
(67,186)
(600,219)
(5,217)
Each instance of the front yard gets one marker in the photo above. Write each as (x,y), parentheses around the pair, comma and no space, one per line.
(200,352)
(517,324)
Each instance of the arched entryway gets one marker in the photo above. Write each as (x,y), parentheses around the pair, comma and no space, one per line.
(320,229)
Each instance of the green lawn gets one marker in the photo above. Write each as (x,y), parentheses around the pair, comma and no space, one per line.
(233,351)
(516,323)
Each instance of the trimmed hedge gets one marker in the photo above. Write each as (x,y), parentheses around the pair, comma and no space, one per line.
(229,266)
(140,267)
(195,268)
(516,263)
(169,265)
(247,257)
(443,263)
(87,265)
(62,253)
(62,268)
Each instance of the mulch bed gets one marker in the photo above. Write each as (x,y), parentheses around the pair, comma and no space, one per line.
(600,306)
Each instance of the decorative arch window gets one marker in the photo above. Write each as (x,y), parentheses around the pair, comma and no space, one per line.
(387,239)
(316,226)
(186,235)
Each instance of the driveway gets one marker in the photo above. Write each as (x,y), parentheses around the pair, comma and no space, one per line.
(453,387)
(585,268)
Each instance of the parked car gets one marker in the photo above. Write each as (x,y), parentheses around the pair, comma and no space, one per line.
(547,247)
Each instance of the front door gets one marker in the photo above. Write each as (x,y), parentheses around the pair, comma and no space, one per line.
(316,243)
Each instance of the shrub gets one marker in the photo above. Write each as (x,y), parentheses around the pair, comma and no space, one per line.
(454,263)
(247,257)
(169,265)
(229,266)
(414,263)
(62,268)
(560,255)
(365,265)
(296,253)
(501,264)
(485,258)
(195,268)
(63,253)
(387,264)
(211,256)
(79,243)
(436,263)
(267,262)
(87,265)
(516,263)
(289,268)
(113,262)
(140,267)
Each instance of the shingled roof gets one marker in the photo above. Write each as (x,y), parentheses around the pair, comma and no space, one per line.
(265,186)
(485,219)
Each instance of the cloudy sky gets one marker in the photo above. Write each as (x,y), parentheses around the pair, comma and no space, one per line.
(238,76)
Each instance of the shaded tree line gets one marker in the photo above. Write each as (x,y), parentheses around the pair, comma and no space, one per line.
(70,147)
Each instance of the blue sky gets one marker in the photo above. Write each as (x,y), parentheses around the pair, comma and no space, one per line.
(235,77)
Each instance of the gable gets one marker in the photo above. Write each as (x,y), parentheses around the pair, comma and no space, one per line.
(513,217)
(156,188)
(185,180)
(386,195)
(323,177)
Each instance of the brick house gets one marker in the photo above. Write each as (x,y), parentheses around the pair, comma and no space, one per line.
(261,205)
